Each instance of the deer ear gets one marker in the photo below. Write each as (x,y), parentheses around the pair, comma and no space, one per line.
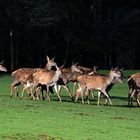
(112,68)
(115,68)
(53,58)
(62,66)
(121,69)
(2,62)
(95,67)
(76,64)
(47,57)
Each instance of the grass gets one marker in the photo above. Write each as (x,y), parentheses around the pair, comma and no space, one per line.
(41,120)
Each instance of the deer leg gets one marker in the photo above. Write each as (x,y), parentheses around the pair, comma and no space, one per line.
(14,86)
(58,89)
(82,96)
(106,94)
(38,92)
(15,91)
(47,93)
(11,94)
(131,97)
(99,94)
(138,102)
(23,89)
(138,99)
(74,87)
(87,95)
(92,94)
(68,90)
(31,91)
(43,87)
(77,94)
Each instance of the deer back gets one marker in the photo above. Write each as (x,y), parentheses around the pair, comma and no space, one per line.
(134,80)
(99,81)
(93,82)
(23,74)
(46,77)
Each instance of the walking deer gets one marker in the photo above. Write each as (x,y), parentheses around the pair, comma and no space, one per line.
(21,75)
(84,71)
(67,74)
(134,89)
(43,77)
(98,82)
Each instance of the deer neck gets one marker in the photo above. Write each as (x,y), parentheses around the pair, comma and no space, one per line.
(48,67)
(110,79)
(57,74)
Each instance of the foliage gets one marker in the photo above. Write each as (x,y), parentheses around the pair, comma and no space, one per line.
(54,27)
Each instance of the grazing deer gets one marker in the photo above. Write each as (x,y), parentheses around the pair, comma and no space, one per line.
(21,75)
(98,82)
(2,67)
(43,77)
(134,89)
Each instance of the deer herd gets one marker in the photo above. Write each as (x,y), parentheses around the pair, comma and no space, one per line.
(36,80)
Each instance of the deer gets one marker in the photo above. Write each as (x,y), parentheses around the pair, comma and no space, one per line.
(100,83)
(71,74)
(2,67)
(65,77)
(62,81)
(21,75)
(43,77)
(84,71)
(134,89)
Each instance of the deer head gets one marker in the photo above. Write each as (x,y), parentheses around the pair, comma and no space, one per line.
(74,68)
(117,74)
(50,62)
(2,67)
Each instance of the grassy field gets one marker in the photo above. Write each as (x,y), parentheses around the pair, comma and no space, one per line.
(24,119)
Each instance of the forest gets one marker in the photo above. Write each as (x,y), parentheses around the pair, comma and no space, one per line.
(103,33)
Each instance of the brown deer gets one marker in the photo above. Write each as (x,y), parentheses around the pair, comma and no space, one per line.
(100,83)
(43,77)
(21,75)
(70,75)
(134,89)
(84,71)
(67,74)
(2,67)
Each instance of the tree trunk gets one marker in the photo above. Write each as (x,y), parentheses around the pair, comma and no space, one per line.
(11,50)
(67,38)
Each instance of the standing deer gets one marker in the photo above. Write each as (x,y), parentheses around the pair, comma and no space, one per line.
(67,74)
(43,77)
(21,75)
(134,89)
(98,82)
(84,71)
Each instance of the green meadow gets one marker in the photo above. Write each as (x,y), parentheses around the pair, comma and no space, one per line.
(25,119)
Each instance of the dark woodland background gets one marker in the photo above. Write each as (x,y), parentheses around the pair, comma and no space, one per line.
(100,33)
